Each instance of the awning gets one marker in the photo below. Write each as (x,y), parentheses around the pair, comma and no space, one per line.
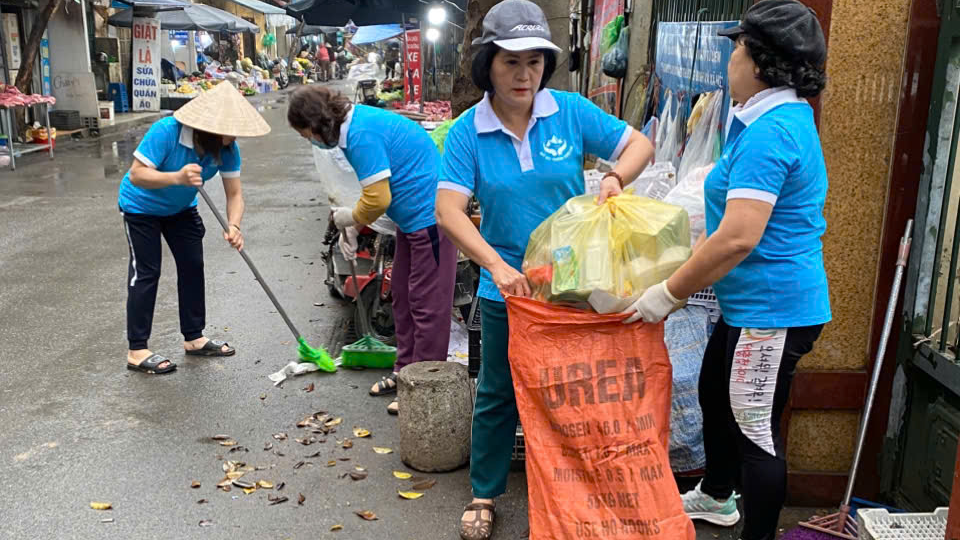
(275,16)
(361,12)
(309,30)
(153,5)
(375,33)
(192,17)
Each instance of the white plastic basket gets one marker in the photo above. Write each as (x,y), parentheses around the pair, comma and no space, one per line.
(879,524)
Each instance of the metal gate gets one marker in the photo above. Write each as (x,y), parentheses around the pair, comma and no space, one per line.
(929,376)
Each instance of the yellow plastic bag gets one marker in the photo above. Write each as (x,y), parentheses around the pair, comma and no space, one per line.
(606,254)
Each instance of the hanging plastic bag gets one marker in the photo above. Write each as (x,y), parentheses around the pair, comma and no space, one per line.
(689,195)
(668,145)
(613,251)
(704,134)
(594,400)
(611,32)
(341,183)
(615,60)
(656,181)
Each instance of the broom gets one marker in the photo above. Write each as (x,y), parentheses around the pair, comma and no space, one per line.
(368,351)
(842,524)
(320,357)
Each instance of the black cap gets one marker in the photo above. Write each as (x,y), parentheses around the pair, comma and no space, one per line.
(786,25)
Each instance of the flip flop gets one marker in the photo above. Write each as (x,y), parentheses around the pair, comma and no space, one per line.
(383,386)
(149,365)
(213,347)
(394,407)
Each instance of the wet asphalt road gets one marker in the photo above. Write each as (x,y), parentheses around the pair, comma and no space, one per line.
(77,427)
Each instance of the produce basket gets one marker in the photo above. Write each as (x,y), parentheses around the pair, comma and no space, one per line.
(879,524)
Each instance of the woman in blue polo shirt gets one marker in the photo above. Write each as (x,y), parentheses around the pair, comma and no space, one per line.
(158,198)
(396,162)
(520,151)
(762,254)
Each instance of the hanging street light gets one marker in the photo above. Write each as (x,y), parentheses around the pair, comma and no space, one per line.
(433,35)
(437,15)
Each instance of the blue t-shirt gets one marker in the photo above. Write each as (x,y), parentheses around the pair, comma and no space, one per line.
(520,183)
(381,144)
(773,154)
(167,147)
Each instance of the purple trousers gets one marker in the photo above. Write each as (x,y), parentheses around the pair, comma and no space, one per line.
(424,272)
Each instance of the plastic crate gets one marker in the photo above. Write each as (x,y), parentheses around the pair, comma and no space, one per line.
(92,122)
(879,524)
(705,298)
(66,120)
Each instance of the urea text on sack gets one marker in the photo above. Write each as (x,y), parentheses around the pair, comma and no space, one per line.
(616,527)
(575,383)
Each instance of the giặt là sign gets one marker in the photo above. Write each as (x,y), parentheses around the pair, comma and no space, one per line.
(146,64)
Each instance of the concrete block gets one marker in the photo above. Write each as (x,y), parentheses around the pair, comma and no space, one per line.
(436,407)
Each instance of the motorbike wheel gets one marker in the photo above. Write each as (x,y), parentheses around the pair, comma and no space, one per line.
(332,276)
(380,325)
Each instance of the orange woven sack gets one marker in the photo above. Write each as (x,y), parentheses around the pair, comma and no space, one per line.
(594,401)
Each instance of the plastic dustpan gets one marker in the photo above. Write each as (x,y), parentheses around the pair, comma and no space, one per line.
(369,353)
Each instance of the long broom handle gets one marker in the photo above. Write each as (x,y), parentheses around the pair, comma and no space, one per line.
(878,362)
(253,268)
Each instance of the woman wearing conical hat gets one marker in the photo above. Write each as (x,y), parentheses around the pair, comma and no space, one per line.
(158,198)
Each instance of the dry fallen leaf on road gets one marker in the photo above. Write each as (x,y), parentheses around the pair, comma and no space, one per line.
(367,515)
(101,506)
(301,499)
(425,485)
(248,491)
(265,485)
(409,495)
(381,450)
(315,454)
(281,485)
(278,453)
(299,464)
(402,475)
(243,484)
(202,501)
(225,482)
(309,388)
(238,449)
(360,433)
(268,447)
(337,527)
(280,436)
(334,422)
(306,441)
(233,475)
(332,463)
(221,437)
(230,466)
(205,523)
(348,444)
(106,520)
(281,500)
(195,484)
(344,459)
(228,442)
(358,475)
(263,397)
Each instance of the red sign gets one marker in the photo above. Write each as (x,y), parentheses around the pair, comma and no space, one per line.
(412,71)
(603,90)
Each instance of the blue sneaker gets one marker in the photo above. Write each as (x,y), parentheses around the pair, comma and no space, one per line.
(699,505)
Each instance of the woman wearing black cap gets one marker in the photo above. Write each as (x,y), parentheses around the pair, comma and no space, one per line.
(762,254)
(520,152)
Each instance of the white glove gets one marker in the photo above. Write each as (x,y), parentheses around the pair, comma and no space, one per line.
(348,243)
(652,306)
(343,218)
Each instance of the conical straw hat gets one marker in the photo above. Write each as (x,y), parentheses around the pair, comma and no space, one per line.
(223,111)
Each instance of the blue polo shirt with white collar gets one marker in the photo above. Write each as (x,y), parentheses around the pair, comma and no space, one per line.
(773,154)
(383,145)
(520,182)
(168,147)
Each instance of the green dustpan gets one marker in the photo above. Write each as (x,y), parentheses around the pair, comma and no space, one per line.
(368,351)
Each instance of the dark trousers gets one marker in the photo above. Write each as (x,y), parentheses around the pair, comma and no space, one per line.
(184,234)
(744,386)
(424,273)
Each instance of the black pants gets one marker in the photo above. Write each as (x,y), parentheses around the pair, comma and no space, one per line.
(744,385)
(184,234)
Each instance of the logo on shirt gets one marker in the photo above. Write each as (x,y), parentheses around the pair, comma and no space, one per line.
(556,149)
(527,28)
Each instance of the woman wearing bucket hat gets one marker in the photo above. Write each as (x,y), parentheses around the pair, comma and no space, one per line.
(520,151)
(158,198)
(763,255)
(396,162)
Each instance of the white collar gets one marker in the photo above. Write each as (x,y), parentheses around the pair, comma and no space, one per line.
(763,102)
(186,136)
(486,121)
(345,127)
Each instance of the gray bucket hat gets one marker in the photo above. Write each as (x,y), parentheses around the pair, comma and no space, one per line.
(517,25)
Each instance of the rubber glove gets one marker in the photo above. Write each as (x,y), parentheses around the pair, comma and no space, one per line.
(343,218)
(348,243)
(652,306)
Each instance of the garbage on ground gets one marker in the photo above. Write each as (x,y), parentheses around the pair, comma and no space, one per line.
(293,368)
(606,254)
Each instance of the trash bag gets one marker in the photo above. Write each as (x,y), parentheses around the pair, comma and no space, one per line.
(668,148)
(704,134)
(341,183)
(688,194)
(615,60)
(594,400)
(613,251)
(611,32)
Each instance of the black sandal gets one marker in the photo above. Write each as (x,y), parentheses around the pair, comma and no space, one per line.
(384,387)
(150,365)
(213,347)
(478,528)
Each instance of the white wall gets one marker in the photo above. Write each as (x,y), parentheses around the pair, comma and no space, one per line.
(73,82)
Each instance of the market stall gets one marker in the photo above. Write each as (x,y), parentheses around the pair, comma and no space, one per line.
(43,139)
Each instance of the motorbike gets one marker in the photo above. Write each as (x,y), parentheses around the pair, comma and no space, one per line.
(279,70)
(375,252)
